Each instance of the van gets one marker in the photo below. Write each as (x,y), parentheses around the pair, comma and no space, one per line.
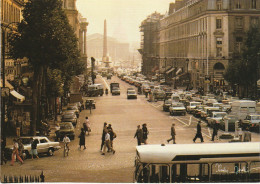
(243,107)
(258,108)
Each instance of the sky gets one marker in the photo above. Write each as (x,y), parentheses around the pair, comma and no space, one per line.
(123,16)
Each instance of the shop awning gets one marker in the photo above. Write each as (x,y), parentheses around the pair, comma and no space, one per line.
(17,95)
(170,70)
(7,84)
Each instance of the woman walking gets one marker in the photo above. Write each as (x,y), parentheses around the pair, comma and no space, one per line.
(15,153)
(145,133)
(82,139)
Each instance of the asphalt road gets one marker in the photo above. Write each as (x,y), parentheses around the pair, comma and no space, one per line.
(124,115)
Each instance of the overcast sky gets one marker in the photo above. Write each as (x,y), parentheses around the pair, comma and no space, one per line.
(123,16)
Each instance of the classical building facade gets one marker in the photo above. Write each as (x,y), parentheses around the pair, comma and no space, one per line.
(79,24)
(150,43)
(201,37)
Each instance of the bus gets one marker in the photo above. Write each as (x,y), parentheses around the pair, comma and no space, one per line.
(207,162)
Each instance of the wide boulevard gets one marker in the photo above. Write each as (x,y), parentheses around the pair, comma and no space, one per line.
(124,115)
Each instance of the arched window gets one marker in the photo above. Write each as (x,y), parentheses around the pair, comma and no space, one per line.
(219,66)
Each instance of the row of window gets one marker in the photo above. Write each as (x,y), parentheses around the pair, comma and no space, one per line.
(10,12)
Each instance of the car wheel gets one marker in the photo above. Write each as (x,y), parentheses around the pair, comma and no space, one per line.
(50,152)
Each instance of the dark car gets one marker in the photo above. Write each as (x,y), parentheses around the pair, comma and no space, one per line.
(66,128)
(166,105)
(70,116)
(131,94)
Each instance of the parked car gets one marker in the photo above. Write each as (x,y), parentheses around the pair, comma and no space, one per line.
(70,116)
(44,146)
(177,108)
(78,104)
(158,94)
(230,119)
(66,128)
(131,94)
(207,111)
(91,102)
(116,91)
(215,117)
(166,105)
(75,109)
(252,121)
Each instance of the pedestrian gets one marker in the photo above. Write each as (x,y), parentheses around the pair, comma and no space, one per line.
(86,125)
(107,144)
(247,135)
(103,135)
(82,139)
(145,133)
(198,134)
(20,148)
(112,135)
(215,131)
(173,133)
(18,128)
(139,135)
(34,148)
(15,152)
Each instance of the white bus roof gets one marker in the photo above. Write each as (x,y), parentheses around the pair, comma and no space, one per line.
(196,152)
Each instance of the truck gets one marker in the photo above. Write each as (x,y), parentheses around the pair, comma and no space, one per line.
(113,85)
(76,97)
(243,108)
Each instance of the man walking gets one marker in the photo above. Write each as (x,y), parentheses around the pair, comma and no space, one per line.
(103,135)
(139,135)
(107,144)
(215,131)
(198,134)
(173,133)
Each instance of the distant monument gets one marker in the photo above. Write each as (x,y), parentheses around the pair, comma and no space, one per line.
(105,56)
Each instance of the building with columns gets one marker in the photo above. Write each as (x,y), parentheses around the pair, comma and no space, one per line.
(79,25)
(201,37)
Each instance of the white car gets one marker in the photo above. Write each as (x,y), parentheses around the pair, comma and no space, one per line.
(215,118)
(44,146)
(177,108)
(191,106)
(131,94)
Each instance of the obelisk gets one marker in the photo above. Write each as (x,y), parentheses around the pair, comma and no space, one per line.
(105,58)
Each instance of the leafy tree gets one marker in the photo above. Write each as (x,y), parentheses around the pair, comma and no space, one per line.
(48,41)
(244,71)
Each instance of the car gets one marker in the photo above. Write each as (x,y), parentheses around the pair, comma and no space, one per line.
(191,106)
(252,121)
(158,94)
(74,108)
(207,111)
(166,105)
(66,128)
(230,119)
(44,146)
(177,108)
(70,116)
(91,102)
(115,91)
(131,94)
(215,117)
(197,111)
(78,104)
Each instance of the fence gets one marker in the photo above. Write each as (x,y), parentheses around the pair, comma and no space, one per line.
(23,179)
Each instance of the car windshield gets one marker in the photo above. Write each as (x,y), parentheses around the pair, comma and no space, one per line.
(194,104)
(68,116)
(131,92)
(168,102)
(71,108)
(178,105)
(66,126)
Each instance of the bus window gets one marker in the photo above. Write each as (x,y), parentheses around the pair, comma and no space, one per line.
(142,173)
(254,172)
(159,174)
(197,172)
(229,172)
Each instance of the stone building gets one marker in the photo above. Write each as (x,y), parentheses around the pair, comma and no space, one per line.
(150,43)
(79,25)
(201,37)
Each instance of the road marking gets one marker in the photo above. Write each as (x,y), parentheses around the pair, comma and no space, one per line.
(180,121)
(190,120)
(106,83)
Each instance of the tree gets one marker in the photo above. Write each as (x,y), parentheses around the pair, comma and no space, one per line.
(243,71)
(48,41)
